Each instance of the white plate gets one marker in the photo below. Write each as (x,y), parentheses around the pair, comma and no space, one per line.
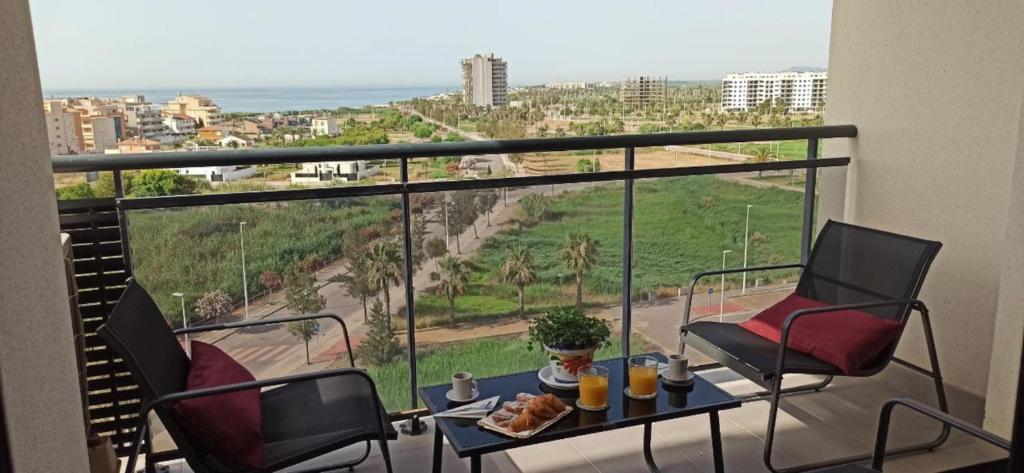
(547,377)
(451,396)
(688,380)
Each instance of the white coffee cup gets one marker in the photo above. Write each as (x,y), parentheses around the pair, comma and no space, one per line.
(677,364)
(463,385)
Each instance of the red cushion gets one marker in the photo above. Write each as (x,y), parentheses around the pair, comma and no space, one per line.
(227,425)
(847,339)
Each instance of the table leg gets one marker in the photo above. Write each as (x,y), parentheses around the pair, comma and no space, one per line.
(648,454)
(438,445)
(474,464)
(716,442)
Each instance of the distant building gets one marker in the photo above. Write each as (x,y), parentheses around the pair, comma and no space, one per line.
(324,126)
(138,144)
(199,107)
(794,91)
(63,128)
(219,173)
(101,132)
(232,141)
(212,133)
(143,118)
(644,92)
(485,81)
(569,85)
(346,171)
(180,124)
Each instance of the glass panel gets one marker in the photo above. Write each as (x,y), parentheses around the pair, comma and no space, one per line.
(485,334)
(683,226)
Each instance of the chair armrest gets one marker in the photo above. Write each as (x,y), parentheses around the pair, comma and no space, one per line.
(699,276)
(260,383)
(884,421)
(787,325)
(276,320)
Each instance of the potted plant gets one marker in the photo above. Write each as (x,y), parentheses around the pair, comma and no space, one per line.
(570,338)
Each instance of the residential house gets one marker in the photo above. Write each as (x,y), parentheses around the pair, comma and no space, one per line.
(203,109)
(344,171)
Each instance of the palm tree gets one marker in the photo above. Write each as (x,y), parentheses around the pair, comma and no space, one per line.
(762,154)
(579,254)
(385,268)
(518,270)
(454,277)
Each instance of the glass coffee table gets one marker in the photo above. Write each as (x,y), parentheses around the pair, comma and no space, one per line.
(470,440)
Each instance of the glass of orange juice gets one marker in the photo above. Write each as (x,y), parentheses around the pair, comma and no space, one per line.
(643,375)
(593,388)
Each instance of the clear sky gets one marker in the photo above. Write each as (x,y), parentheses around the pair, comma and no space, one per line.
(260,43)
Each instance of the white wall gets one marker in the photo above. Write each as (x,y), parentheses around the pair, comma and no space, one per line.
(37,358)
(935,91)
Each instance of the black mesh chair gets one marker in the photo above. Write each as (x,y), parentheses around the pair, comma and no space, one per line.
(304,416)
(849,268)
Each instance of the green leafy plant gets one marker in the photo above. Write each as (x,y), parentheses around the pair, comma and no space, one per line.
(568,328)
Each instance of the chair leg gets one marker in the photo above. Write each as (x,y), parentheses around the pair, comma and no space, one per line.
(385,453)
(940,392)
(803,388)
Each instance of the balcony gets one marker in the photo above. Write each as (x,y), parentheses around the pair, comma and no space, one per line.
(643,306)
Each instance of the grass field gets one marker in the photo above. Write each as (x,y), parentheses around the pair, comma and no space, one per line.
(681,227)
(196,250)
(483,357)
(787,150)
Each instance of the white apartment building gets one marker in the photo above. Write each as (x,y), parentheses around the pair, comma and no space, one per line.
(63,128)
(219,173)
(569,85)
(485,80)
(180,124)
(800,91)
(325,172)
(324,126)
(146,121)
(199,107)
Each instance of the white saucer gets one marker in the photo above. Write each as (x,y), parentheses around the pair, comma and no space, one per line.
(547,377)
(688,380)
(451,396)
(638,397)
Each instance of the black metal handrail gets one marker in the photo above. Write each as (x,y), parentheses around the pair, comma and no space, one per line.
(179,159)
(405,188)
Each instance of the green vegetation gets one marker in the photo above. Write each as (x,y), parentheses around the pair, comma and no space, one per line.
(568,329)
(301,296)
(681,227)
(482,357)
(196,250)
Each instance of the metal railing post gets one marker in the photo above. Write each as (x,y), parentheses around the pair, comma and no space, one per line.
(410,291)
(627,252)
(807,235)
(122,222)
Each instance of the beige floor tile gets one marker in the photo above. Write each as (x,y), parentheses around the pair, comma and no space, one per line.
(551,457)
(621,451)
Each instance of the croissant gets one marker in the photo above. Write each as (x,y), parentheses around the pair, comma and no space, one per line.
(553,402)
(513,407)
(540,409)
(524,421)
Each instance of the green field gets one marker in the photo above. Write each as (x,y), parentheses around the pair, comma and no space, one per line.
(482,357)
(792,150)
(681,226)
(197,250)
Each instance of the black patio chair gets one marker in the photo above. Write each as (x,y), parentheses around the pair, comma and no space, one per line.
(849,268)
(303,417)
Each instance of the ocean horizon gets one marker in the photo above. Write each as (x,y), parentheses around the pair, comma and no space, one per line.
(268,99)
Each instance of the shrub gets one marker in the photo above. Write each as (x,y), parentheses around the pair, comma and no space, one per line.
(271,280)
(380,346)
(707,202)
(568,328)
(213,304)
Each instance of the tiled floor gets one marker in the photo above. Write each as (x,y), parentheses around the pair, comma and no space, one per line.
(836,422)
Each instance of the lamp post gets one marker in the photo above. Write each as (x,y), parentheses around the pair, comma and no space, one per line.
(746,242)
(721,293)
(184,322)
(245,281)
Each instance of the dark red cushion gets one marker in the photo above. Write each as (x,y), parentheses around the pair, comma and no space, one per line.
(227,425)
(847,339)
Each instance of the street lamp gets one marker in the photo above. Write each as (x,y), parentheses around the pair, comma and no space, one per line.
(184,322)
(746,242)
(721,293)
(245,281)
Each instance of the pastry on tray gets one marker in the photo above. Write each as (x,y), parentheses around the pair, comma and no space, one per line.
(527,415)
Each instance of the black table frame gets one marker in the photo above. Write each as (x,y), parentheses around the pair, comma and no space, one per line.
(441,429)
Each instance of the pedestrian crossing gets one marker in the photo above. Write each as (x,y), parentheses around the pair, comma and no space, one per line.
(261,354)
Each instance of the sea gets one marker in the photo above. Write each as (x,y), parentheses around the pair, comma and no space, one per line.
(272,99)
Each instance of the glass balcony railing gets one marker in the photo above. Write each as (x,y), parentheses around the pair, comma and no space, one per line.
(441,226)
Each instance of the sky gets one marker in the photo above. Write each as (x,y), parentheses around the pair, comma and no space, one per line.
(389,43)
